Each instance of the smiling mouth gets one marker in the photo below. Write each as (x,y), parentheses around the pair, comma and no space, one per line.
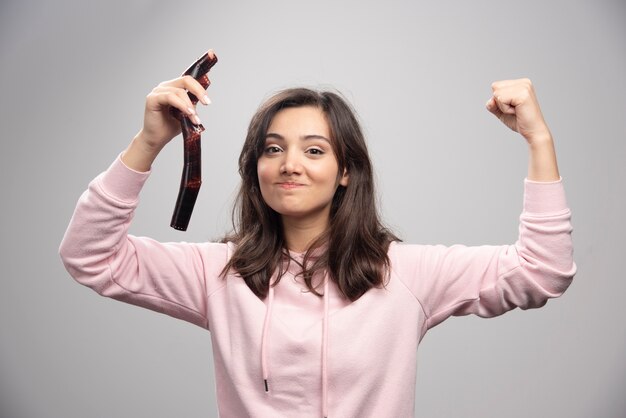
(290,186)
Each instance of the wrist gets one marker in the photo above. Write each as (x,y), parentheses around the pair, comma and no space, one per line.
(140,154)
(539,139)
(143,140)
(542,165)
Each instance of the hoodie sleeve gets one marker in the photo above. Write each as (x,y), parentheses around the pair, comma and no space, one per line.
(490,280)
(171,278)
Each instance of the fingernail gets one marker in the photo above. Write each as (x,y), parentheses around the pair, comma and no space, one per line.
(197,120)
(191,111)
(207,100)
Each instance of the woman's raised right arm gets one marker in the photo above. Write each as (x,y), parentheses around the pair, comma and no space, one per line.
(98,252)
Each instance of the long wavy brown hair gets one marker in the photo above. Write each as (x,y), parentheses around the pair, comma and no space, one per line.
(353,250)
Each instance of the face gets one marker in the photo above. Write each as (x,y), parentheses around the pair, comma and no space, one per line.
(298,170)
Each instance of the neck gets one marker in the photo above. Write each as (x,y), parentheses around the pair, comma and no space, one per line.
(300,233)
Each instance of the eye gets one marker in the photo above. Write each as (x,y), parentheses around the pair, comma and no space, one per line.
(315,151)
(272,149)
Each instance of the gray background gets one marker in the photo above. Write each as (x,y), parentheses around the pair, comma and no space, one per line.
(72,89)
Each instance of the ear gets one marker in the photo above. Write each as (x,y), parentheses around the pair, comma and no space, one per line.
(345,178)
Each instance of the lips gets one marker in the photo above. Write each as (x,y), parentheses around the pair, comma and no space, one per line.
(288,185)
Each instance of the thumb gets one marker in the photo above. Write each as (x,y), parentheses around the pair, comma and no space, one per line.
(499,108)
(493,107)
(504,105)
(496,107)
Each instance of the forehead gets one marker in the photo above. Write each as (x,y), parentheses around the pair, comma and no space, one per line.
(299,121)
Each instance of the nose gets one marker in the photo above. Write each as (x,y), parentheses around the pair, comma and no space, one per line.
(291,163)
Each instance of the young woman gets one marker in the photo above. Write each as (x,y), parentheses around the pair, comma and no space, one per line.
(314,308)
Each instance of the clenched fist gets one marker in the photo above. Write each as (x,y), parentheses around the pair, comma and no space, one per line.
(514,102)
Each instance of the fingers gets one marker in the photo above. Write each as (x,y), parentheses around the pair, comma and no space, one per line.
(190,84)
(175,93)
(508,94)
(505,104)
(162,97)
(499,108)
(493,107)
(197,89)
(183,98)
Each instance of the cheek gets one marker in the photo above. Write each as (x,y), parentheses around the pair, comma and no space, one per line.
(327,173)
(263,171)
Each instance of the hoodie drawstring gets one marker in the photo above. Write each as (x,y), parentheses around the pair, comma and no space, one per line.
(325,351)
(265,338)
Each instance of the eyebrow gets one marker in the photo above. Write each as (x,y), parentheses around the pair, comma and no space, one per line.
(304,137)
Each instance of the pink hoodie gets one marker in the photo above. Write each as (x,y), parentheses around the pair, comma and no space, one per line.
(298,355)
